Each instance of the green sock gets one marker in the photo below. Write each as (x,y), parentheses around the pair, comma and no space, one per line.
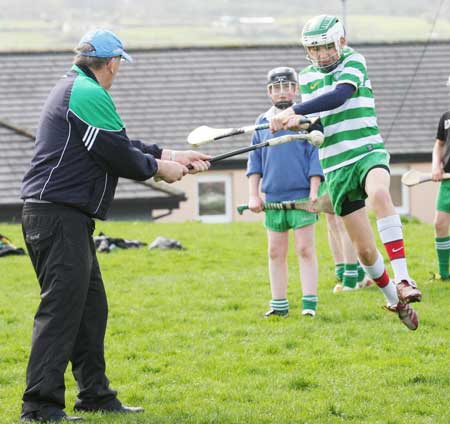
(443,252)
(350,275)
(309,301)
(361,272)
(280,305)
(339,271)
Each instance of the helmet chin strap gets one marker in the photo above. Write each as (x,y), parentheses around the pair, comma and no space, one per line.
(329,68)
(284,104)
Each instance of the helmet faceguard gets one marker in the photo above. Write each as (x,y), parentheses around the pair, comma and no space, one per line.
(282,84)
(319,33)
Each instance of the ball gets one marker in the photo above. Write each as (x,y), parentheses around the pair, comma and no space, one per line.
(316,138)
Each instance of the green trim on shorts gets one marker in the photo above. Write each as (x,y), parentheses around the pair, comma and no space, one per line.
(443,198)
(280,220)
(347,183)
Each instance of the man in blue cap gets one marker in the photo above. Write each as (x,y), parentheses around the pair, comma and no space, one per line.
(81,150)
(105,44)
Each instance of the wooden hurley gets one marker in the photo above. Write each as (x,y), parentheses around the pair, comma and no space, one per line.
(414,177)
(323,204)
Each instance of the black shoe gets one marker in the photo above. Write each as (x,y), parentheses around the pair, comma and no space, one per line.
(130,409)
(28,417)
(114,406)
(273,312)
(122,410)
(36,416)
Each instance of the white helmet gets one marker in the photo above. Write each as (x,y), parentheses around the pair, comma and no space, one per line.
(322,30)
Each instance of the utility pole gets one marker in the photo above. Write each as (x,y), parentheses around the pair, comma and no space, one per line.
(344,14)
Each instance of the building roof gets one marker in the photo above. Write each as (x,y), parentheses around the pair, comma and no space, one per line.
(168,92)
(16,150)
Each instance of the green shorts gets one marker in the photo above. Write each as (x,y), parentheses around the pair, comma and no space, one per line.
(323,189)
(443,199)
(284,220)
(346,184)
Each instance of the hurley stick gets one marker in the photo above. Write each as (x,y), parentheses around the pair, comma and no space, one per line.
(323,204)
(314,137)
(413,177)
(204,134)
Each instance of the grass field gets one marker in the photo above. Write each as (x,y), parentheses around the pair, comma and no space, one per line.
(187,339)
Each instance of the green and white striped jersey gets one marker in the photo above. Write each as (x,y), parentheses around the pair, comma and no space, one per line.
(351,130)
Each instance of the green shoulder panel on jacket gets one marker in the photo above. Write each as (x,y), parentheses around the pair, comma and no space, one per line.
(93,104)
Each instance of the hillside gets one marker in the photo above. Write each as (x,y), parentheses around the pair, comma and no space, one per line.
(50,25)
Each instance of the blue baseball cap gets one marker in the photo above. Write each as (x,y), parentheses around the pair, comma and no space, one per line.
(105,44)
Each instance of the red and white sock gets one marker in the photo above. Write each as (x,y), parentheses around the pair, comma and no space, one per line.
(377,272)
(391,233)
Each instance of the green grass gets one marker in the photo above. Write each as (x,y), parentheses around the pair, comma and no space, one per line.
(186,338)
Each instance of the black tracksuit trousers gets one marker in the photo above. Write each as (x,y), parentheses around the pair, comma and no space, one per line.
(70,322)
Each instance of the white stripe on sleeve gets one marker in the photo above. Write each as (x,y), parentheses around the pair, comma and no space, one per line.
(87,134)
(92,139)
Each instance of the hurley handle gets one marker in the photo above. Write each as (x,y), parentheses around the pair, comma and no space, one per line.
(241,208)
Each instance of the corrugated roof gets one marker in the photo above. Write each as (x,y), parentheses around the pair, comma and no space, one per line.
(168,92)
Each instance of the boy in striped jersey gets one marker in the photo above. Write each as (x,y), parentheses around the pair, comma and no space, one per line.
(353,157)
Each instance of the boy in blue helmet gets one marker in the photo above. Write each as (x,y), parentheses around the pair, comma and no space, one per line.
(288,172)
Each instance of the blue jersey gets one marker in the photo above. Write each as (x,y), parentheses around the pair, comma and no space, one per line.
(286,169)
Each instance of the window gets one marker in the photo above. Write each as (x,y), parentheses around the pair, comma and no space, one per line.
(214,198)
(399,192)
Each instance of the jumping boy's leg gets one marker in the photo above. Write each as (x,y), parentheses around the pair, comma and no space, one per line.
(360,232)
(390,230)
